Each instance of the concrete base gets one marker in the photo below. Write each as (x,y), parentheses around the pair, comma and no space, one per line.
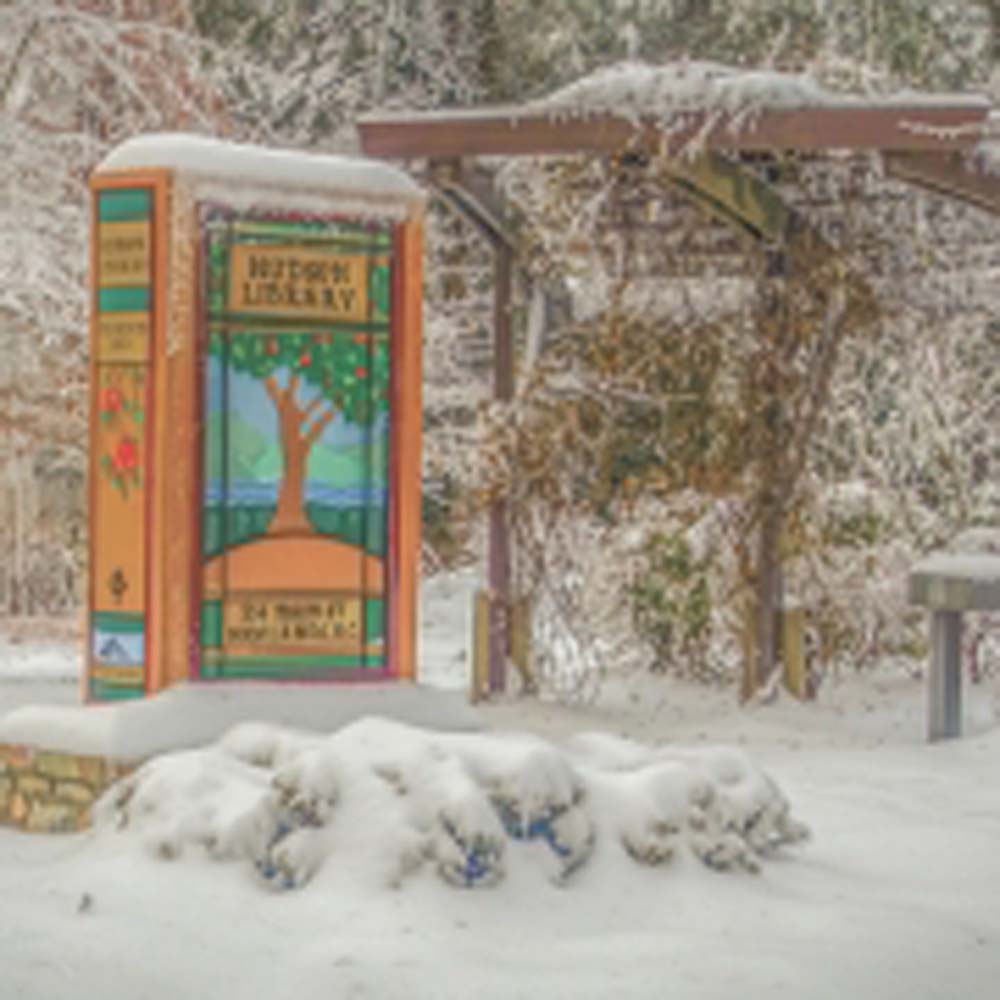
(56,760)
(43,791)
(192,715)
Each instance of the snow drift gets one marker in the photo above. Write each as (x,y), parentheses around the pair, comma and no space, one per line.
(387,800)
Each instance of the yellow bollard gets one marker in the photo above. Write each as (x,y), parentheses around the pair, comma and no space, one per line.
(520,652)
(793,651)
(479,686)
(520,644)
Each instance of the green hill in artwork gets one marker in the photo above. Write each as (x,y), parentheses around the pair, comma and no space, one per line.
(341,468)
(356,466)
(246,446)
(256,458)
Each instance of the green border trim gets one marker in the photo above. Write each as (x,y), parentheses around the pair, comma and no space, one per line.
(110,300)
(211,623)
(101,691)
(289,668)
(129,205)
(262,323)
(329,237)
(374,618)
(122,622)
(119,682)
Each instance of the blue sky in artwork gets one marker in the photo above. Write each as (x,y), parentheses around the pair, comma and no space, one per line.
(248,398)
(347,466)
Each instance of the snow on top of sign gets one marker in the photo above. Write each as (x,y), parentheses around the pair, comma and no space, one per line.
(229,170)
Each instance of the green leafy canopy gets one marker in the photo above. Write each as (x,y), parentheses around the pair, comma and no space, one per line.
(350,370)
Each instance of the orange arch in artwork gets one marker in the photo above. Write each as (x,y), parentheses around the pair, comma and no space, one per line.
(308,562)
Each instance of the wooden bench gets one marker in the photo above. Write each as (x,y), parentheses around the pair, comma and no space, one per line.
(948,584)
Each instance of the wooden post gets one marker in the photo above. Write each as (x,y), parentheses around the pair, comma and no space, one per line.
(479,683)
(793,651)
(771,445)
(748,646)
(499,530)
(790,650)
(520,644)
(470,194)
(767,601)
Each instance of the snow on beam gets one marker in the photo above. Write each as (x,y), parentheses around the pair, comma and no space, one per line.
(891,127)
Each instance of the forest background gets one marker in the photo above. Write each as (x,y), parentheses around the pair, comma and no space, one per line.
(628,450)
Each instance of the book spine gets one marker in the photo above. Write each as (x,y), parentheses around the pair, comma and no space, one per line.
(122,381)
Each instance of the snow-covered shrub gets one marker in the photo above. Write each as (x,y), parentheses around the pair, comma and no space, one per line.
(199,798)
(380,801)
(713,802)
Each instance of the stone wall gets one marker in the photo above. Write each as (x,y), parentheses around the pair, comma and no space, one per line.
(45,791)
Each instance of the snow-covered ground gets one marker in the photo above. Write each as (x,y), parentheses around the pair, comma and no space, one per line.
(34,673)
(895,895)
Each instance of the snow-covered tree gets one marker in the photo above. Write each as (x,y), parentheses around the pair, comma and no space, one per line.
(858,44)
(329,62)
(75,79)
(761,347)
(649,422)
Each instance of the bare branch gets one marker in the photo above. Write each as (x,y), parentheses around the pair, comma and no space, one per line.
(314,432)
(313,406)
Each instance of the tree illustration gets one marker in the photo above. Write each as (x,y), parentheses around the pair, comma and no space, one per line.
(350,372)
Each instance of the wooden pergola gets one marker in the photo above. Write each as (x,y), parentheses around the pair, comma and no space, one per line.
(929,141)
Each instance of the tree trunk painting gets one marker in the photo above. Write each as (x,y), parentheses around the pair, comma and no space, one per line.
(298,436)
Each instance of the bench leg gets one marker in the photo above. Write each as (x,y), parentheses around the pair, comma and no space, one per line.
(944,701)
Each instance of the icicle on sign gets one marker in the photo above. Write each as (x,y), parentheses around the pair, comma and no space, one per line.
(298,282)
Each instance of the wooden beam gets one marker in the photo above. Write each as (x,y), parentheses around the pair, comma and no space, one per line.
(950,174)
(468,189)
(512,131)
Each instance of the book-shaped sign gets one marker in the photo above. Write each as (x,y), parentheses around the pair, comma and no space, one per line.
(255,435)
